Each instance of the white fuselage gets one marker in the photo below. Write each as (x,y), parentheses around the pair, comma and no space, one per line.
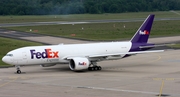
(54,54)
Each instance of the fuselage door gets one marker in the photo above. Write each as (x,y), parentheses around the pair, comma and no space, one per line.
(24,55)
(24,58)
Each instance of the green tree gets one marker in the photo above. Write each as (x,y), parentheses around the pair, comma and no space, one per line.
(113,8)
(93,10)
(43,7)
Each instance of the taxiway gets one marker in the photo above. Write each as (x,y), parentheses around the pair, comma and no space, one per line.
(137,76)
(80,22)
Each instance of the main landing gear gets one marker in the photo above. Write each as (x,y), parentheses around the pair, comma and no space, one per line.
(94,67)
(18,70)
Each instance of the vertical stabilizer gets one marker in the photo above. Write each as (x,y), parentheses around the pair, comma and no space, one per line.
(142,34)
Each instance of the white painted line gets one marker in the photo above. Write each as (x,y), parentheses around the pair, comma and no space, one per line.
(111,89)
(175,12)
(129,91)
(73,23)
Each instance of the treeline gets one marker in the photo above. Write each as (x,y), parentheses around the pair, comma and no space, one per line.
(44,7)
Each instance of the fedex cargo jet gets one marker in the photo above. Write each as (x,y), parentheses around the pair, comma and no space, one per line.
(82,56)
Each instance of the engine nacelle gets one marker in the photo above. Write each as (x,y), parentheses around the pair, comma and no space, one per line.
(47,65)
(79,63)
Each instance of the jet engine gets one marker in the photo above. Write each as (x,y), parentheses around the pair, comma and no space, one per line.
(47,65)
(79,63)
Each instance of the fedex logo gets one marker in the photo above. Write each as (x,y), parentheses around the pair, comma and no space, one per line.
(145,32)
(46,54)
(82,63)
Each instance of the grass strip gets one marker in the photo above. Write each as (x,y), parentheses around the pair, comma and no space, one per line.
(103,31)
(7,45)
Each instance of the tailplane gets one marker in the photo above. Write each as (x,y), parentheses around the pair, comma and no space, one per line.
(142,34)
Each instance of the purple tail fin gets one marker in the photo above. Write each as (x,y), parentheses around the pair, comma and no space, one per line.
(142,34)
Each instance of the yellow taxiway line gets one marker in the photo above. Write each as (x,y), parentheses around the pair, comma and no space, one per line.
(4,84)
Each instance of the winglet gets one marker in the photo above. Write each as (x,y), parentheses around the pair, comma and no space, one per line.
(142,34)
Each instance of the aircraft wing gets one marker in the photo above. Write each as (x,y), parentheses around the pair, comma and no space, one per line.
(128,53)
(113,54)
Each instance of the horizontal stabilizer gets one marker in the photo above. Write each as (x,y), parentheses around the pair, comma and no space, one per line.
(151,46)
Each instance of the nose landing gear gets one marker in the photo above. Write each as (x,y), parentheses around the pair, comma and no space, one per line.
(18,69)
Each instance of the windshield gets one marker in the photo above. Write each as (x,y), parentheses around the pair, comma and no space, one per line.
(9,55)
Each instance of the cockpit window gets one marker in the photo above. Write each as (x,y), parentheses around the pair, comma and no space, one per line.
(9,55)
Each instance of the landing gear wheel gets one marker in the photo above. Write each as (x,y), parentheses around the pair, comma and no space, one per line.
(89,68)
(94,68)
(18,71)
(99,68)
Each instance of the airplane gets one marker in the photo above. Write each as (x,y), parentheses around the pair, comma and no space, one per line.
(83,56)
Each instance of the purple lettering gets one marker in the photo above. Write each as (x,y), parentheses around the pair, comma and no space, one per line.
(38,55)
(32,54)
(44,54)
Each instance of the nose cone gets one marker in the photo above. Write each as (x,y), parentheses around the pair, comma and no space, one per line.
(6,60)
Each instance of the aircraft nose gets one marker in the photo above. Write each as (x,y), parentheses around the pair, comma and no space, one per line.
(5,59)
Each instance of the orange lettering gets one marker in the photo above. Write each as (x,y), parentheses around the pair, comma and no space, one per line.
(49,53)
(55,55)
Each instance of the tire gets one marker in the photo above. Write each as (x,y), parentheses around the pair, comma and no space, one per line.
(96,68)
(99,68)
(18,71)
(89,68)
(92,68)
